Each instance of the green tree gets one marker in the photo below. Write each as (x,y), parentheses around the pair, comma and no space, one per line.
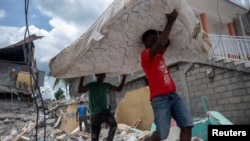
(59,94)
(58,80)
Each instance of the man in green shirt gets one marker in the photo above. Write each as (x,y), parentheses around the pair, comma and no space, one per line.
(99,111)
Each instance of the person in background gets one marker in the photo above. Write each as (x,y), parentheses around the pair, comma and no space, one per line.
(99,110)
(81,116)
(165,102)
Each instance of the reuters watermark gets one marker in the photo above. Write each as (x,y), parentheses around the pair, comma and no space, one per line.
(233,132)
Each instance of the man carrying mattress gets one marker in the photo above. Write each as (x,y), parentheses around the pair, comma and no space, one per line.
(99,111)
(165,102)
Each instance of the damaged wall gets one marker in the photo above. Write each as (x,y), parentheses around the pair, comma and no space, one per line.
(133,81)
(68,122)
(69,118)
(15,74)
(135,108)
(226,92)
(9,72)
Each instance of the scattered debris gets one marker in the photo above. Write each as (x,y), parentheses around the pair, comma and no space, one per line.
(20,124)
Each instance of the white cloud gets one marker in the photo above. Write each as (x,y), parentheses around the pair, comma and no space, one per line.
(47,90)
(74,11)
(10,35)
(64,29)
(2,13)
(69,19)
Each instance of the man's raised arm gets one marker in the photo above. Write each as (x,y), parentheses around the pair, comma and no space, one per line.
(119,88)
(81,88)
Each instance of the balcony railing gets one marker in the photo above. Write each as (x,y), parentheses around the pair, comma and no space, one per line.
(242,3)
(230,47)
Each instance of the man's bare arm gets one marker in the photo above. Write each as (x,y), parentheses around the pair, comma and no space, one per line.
(81,88)
(164,36)
(119,88)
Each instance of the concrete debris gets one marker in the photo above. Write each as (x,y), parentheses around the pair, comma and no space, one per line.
(21,123)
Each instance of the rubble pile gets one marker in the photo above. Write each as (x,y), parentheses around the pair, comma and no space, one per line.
(18,122)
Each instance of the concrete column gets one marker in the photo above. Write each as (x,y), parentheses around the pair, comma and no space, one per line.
(230,27)
(184,68)
(204,23)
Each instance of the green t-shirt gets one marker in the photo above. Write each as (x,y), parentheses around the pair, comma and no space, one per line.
(98,96)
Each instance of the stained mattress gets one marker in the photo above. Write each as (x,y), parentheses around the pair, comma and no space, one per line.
(113,44)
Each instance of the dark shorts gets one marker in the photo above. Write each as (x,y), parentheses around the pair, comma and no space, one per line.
(97,120)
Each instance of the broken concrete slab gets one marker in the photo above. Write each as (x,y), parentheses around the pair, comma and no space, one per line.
(136,105)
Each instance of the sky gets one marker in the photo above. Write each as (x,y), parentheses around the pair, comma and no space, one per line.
(61,22)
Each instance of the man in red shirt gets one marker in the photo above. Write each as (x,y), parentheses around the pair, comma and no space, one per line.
(165,102)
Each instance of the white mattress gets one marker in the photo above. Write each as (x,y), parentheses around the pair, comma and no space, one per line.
(113,43)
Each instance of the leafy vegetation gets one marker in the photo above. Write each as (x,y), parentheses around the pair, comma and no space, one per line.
(59,94)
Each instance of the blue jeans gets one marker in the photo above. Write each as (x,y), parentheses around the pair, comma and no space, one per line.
(167,106)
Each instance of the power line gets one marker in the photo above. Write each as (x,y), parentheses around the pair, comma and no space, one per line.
(28,53)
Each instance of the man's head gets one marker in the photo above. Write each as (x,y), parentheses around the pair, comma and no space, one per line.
(81,102)
(100,77)
(150,37)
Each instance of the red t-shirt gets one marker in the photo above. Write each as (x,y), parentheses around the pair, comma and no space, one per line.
(156,70)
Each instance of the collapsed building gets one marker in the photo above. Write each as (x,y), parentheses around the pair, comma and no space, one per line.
(220,76)
(20,76)
(223,80)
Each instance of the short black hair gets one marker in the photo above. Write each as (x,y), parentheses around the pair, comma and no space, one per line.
(147,33)
(152,32)
(81,102)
